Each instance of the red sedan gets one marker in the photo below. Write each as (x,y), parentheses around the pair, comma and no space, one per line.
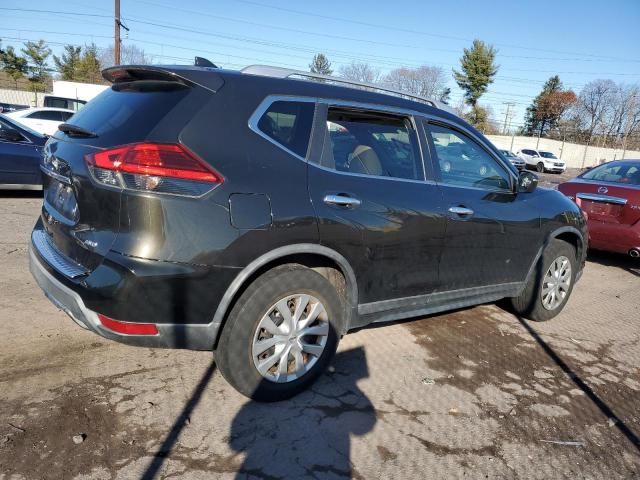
(610,196)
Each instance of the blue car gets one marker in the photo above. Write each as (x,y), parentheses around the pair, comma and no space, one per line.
(20,156)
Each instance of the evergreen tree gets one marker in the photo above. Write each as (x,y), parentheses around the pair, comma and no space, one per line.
(445,95)
(67,63)
(320,64)
(89,68)
(478,69)
(12,64)
(37,54)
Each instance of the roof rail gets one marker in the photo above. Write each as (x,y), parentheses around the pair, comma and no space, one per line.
(280,72)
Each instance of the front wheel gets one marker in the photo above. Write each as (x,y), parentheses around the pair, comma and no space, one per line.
(281,334)
(540,167)
(548,290)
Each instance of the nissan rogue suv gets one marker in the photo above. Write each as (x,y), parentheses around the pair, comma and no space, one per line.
(263,214)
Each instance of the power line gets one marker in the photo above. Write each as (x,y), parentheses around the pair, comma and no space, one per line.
(353,39)
(417,32)
(184,28)
(247,39)
(35,10)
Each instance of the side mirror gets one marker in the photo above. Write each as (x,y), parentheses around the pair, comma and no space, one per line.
(527,182)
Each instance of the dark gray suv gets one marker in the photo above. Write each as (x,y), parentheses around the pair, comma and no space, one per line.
(263,214)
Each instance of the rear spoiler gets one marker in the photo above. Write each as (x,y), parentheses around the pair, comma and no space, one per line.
(188,76)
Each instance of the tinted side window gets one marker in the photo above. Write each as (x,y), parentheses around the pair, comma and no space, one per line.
(6,131)
(55,102)
(46,115)
(463,162)
(289,124)
(371,143)
(66,116)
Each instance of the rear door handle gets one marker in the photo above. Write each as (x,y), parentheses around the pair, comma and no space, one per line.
(461,211)
(342,201)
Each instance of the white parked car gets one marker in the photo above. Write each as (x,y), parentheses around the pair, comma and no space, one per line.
(42,120)
(542,160)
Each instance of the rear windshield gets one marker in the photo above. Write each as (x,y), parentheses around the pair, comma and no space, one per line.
(626,173)
(119,117)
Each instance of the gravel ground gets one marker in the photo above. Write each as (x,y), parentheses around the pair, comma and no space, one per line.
(477,393)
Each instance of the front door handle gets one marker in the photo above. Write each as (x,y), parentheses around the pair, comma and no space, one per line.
(342,201)
(461,211)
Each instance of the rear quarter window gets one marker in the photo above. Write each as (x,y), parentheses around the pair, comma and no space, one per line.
(288,124)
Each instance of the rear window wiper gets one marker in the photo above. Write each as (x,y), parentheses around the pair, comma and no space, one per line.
(75,131)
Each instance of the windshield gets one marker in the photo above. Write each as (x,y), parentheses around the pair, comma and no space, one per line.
(507,153)
(547,155)
(614,172)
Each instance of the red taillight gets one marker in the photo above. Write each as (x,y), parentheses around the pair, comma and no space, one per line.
(128,328)
(159,167)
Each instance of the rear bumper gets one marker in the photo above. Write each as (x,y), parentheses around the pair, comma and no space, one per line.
(614,237)
(170,335)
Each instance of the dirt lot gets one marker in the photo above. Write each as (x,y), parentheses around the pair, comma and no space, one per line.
(477,393)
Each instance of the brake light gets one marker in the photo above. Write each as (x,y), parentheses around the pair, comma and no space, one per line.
(157,167)
(128,328)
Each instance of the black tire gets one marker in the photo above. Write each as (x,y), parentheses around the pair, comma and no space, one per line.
(540,167)
(529,303)
(234,351)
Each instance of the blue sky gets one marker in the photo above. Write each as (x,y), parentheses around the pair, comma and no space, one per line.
(579,40)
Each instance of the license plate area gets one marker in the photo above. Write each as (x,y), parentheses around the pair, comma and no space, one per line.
(60,199)
(602,209)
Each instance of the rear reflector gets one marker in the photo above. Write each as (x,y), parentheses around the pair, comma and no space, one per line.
(153,167)
(128,328)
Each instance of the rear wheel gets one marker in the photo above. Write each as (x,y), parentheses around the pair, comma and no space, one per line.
(281,334)
(548,290)
(540,167)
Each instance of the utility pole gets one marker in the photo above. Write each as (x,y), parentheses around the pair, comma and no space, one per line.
(507,117)
(116,39)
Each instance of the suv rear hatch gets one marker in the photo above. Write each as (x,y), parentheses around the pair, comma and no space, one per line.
(146,107)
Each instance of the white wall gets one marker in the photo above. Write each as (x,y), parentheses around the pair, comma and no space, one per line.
(21,97)
(81,91)
(576,156)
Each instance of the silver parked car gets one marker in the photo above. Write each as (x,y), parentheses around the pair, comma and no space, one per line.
(513,158)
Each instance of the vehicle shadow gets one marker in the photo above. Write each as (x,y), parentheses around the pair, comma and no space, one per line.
(606,410)
(609,259)
(308,436)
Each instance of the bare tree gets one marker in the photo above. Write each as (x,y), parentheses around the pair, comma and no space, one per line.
(129,55)
(623,108)
(426,81)
(593,106)
(360,72)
